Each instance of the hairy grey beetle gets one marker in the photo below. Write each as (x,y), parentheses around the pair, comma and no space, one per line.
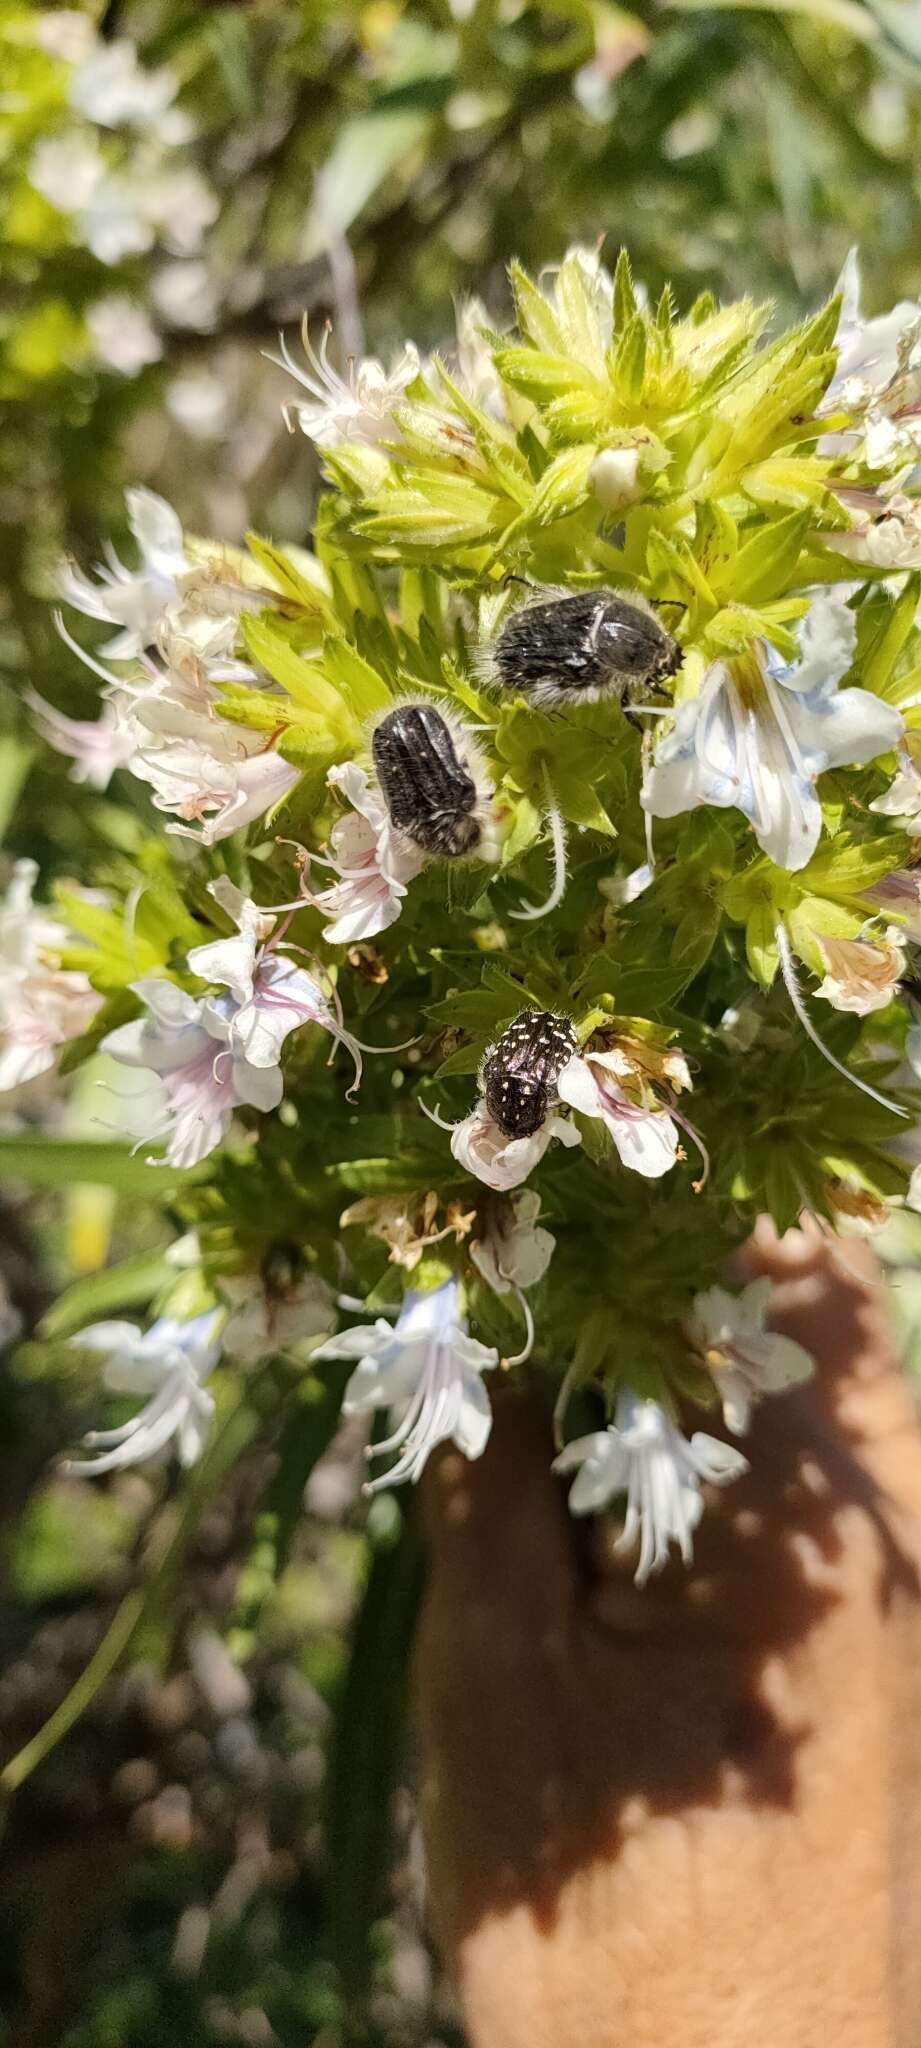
(428,789)
(581,646)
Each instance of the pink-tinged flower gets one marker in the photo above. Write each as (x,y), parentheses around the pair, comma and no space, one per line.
(269,996)
(222,794)
(134,600)
(886,533)
(643,1455)
(646,1140)
(96,746)
(169,1362)
(373,863)
(899,896)
(203,1080)
(861,975)
(500,1162)
(357,407)
(746,1360)
(427,1371)
(42,1005)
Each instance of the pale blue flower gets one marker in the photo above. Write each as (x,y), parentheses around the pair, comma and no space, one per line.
(427,1372)
(756,739)
(643,1455)
(169,1362)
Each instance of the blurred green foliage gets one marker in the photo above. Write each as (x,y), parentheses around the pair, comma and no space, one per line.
(204,1864)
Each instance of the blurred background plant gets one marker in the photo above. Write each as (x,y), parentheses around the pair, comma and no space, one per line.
(219,1840)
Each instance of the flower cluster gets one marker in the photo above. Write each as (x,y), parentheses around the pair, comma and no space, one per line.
(112,162)
(600,814)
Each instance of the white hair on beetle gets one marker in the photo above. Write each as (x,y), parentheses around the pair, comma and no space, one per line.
(549,677)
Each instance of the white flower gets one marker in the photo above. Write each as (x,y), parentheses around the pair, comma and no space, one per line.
(746,1360)
(903,797)
(887,534)
(646,1140)
(869,351)
(513,1251)
(184,1043)
(97,746)
(42,1005)
(199,402)
(66,34)
(871,357)
(200,766)
(135,600)
(358,407)
(111,88)
(427,1372)
(620,890)
(214,776)
(613,477)
(170,1363)
(186,295)
(123,337)
(478,1144)
(66,170)
(476,371)
(860,976)
(181,206)
(374,864)
(269,996)
(643,1455)
(265,1319)
(113,224)
(759,734)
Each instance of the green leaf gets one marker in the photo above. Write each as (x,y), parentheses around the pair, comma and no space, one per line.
(563,488)
(878,666)
(282,572)
(625,304)
(846,14)
(365,690)
(536,318)
(43,1161)
(366,1749)
(16,758)
(131,1284)
(368,149)
(765,564)
(761,943)
(307,1433)
(304,681)
(629,364)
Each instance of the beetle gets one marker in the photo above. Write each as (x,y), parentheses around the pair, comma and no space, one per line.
(519,1072)
(582,646)
(427,787)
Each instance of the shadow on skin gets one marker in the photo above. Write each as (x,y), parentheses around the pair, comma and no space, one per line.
(564,1711)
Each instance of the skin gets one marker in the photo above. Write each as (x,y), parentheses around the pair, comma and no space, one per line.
(689,1815)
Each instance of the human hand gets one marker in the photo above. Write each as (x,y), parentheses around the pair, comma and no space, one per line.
(689,1814)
